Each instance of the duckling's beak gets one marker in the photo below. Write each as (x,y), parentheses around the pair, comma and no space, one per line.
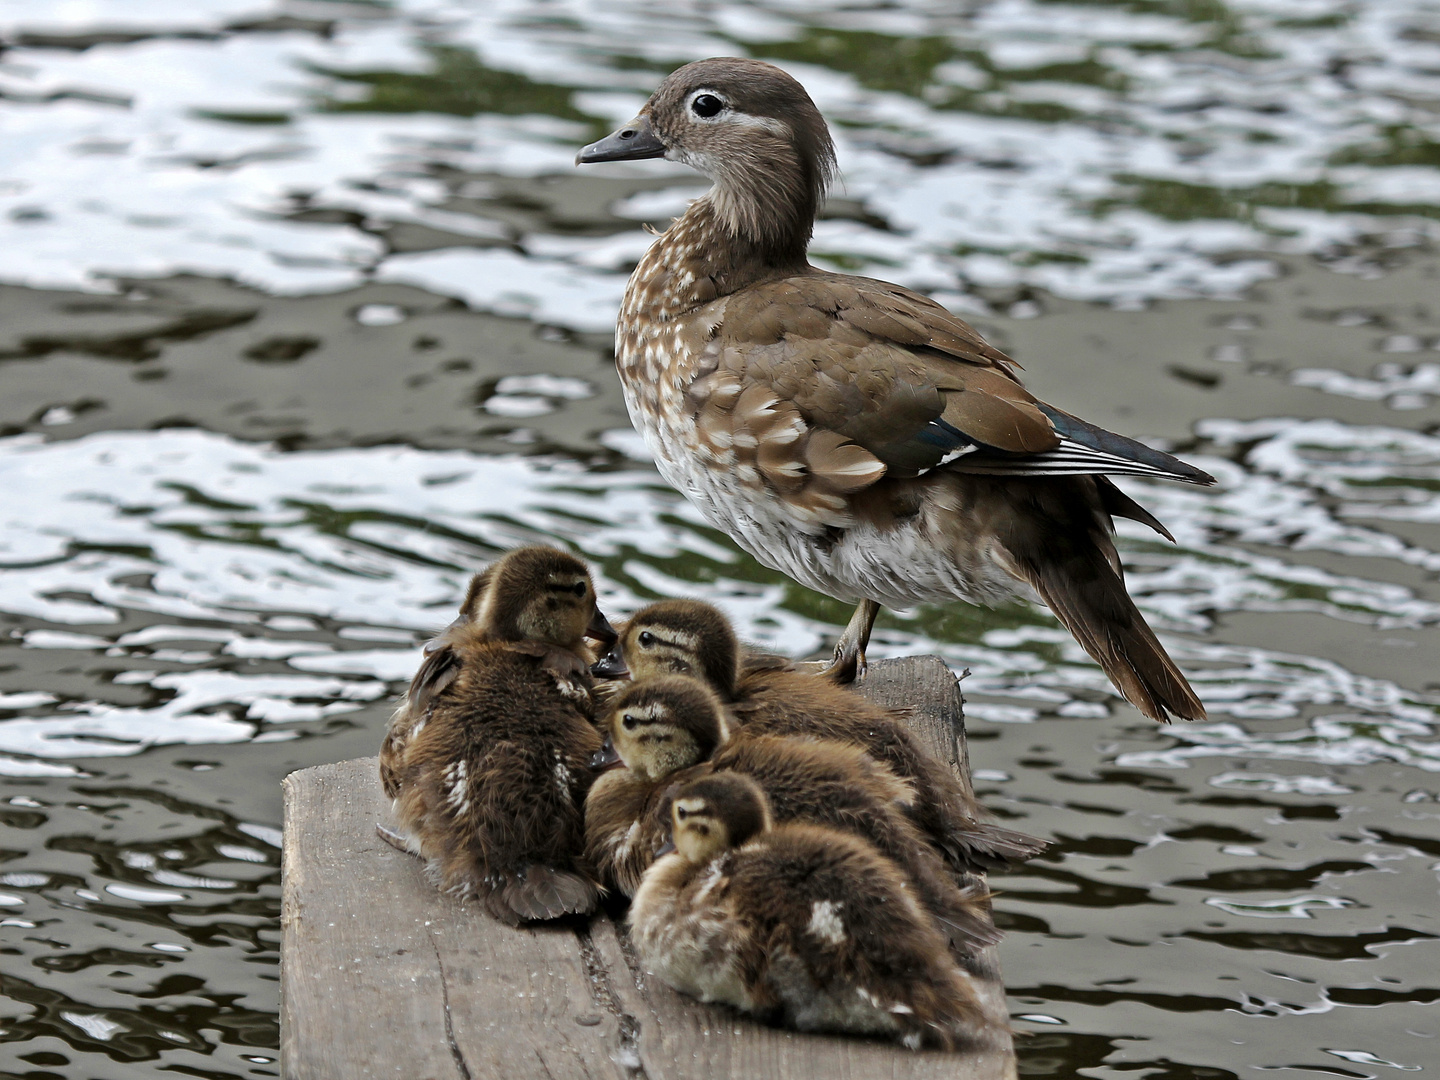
(606,758)
(601,630)
(632,142)
(665,849)
(611,665)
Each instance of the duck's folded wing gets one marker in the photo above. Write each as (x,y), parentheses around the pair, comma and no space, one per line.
(822,384)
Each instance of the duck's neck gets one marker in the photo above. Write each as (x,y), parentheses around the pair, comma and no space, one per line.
(712,251)
(768,206)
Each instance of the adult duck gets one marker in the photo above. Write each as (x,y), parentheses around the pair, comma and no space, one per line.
(849,432)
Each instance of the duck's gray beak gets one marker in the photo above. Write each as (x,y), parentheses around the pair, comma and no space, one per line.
(607,757)
(611,665)
(601,630)
(633,142)
(665,849)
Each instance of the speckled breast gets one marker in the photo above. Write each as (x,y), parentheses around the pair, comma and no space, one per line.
(662,347)
(659,353)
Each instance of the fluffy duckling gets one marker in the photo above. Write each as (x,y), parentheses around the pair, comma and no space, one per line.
(438,665)
(767,696)
(488,758)
(797,923)
(665,729)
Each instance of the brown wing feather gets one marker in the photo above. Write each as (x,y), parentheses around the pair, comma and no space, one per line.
(437,671)
(942,329)
(819,385)
(995,410)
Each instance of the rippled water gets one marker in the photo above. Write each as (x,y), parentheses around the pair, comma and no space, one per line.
(232,509)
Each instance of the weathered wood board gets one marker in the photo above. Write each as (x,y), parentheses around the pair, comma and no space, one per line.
(383,976)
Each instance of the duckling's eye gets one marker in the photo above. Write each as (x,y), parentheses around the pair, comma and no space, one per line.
(579,588)
(646,639)
(706,106)
(630,721)
(681,813)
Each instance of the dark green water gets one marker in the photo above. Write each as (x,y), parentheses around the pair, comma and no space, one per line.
(307,319)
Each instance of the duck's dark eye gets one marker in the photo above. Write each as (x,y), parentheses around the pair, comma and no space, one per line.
(580,588)
(646,639)
(630,722)
(681,813)
(706,105)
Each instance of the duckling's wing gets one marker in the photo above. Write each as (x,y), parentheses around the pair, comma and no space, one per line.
(437,671)
(949,815)
(968,923)
(753,659)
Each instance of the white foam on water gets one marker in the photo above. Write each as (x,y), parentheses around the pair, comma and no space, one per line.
(1126,190)
(183,525)
(1296,907)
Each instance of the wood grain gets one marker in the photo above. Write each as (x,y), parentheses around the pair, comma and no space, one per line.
(383,976)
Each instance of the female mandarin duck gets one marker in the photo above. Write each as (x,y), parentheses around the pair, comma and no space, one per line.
(797,923)
(849,432)
(488,758)
(765,696)
(671,730)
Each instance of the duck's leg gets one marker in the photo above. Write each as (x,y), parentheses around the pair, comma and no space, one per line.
(849,662)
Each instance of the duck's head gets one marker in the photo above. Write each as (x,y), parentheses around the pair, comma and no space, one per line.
(537,594)
(750,128)
(716,812)
(660,726)
(680,637)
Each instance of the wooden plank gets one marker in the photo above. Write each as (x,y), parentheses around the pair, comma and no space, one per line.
(382,975)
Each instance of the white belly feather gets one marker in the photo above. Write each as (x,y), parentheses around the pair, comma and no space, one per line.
(907,563)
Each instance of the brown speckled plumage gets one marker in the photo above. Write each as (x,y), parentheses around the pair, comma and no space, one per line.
(665,730)
(850,432)
(801,924)
(688,637)
(488,758)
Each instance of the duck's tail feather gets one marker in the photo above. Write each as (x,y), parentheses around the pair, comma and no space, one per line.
(543,892)
(1081,586)
(985,846)
(968,923)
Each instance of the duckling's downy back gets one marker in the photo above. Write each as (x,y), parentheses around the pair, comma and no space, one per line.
(798,923)
(488,758)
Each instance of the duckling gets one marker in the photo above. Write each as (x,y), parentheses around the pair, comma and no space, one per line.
(664,729)
(438,668)
(653,731)
(798,923)
(767,696)
(488,758)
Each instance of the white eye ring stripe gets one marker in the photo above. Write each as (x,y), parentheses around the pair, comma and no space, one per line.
(694,94)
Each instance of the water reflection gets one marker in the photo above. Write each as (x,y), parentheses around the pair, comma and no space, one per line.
(1105,149)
